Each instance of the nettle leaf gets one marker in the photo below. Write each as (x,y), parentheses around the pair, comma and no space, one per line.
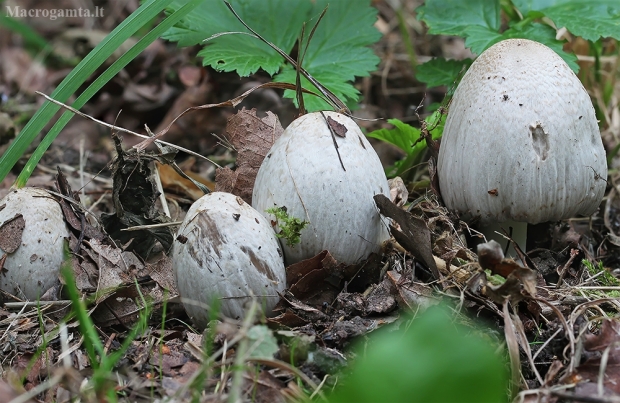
(455,17)
(440,71)
(590,19)
(336,55)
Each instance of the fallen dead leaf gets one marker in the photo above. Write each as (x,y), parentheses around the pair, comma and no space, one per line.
(491,257)
(11,233)
(173,182)
(409,294)
(252,137)
(413,234)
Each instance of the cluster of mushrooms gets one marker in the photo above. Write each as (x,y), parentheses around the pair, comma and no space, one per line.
(521,145)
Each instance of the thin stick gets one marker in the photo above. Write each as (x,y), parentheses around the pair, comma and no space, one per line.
(120,129)
(331,130)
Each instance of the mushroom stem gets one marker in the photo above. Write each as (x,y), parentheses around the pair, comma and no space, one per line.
(493,230)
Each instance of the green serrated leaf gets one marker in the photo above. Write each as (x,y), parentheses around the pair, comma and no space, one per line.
(402,136)
(338,51)
(345,91)
(478,21)
(263,343)
(527,6)
(439,71)
(336,55)
(455,17)
(590,19)
(479,39)
(586,18)
(278,21)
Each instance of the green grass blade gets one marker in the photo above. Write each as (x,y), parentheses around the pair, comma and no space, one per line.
(31,37)
(72,82)
(92,343)
(99,83)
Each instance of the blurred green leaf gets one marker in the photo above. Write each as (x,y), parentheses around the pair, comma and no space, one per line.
(31,37)
(263,343)
(434,360)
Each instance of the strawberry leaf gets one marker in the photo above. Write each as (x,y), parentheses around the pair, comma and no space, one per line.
(456,17)
(440,71)
(337,53)
(586,18)
(478,21)
(278,21)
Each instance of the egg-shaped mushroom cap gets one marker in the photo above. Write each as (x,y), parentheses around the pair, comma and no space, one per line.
(521,141)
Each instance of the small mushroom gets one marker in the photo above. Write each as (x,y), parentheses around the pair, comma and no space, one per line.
(32,239)
(225,249)
(521,143)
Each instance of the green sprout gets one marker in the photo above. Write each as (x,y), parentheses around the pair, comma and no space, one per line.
(290,227)
(603,275)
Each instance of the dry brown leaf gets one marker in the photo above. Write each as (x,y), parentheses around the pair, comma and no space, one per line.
(520,284)
(491,257)
(315,280)
(338,128)
(409,294)
(252,137)
(173,182)
(413,234)
(18,67)
(11,233)
(609,334)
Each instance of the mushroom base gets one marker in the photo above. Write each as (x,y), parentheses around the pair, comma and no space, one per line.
(493,230)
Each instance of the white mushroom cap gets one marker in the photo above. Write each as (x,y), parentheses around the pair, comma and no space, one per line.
(303,172)
(33,268)
(227,250)
(521,141)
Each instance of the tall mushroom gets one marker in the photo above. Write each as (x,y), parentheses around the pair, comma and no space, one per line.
(521,143)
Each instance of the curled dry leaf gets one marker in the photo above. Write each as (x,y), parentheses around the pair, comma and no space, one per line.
(410,294)
(252,137)
(607,341)
(398,191)
(608,335)
(491,257)
(315,280)
(172,181)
